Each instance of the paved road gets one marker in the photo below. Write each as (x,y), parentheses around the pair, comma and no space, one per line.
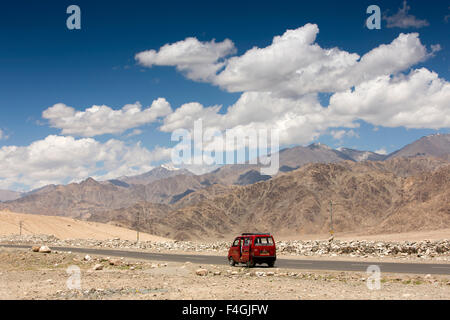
(391,267)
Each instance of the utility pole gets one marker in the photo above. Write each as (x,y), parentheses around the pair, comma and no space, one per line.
(137,225)
(331,217)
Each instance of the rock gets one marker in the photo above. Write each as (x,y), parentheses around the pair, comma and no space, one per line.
(35,248)
(44,249)
(201,272)
(98,266)
(87,258)
(217,273)
(270,274)
(260,274)
(234,273)
(115,262)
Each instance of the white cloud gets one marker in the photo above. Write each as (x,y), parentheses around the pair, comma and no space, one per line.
(98,120)
(417,100)
(60,159)
(185,115)
(198,60)
(298,120)
(404,20)
(293,65)
(341,134)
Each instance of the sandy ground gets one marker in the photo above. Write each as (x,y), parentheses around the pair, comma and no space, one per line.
(28,275)
(66,228)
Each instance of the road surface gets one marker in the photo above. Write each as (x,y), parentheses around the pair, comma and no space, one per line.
(390,267)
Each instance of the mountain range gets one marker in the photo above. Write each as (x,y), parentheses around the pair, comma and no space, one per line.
(376,193)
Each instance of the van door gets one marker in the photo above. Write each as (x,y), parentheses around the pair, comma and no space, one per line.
(236,250)
(245,249)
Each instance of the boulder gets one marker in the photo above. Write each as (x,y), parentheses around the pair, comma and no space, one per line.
(44,249)
(201,272)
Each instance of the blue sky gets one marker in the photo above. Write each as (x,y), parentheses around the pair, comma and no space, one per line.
(43,63)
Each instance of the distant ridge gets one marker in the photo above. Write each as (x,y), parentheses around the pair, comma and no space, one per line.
(436,145)
(158,173)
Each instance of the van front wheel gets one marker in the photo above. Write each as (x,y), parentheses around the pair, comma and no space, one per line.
(231,261)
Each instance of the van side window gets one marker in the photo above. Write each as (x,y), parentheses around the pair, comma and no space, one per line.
(236,243)
(263,241)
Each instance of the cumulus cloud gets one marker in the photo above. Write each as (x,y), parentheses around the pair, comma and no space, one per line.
(298,120)
(61,159)
(98,120)
(402,19)
(415,100)
(198,60)
(419,99)
(293,65)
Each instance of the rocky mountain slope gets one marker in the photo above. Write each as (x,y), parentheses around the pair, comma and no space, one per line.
(366,197)
(436,145)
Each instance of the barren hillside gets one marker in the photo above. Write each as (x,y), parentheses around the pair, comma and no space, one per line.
(66,228)
(367,198)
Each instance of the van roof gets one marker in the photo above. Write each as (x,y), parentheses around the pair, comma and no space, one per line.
(256,234)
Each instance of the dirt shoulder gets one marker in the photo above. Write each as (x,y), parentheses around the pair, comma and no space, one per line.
(31,275)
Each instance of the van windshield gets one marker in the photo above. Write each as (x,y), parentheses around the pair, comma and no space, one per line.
(263,241)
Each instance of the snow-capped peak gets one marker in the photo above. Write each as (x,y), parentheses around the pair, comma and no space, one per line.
(169,167)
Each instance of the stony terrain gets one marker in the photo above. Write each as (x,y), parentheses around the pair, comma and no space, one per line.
(33,275)
(438,250)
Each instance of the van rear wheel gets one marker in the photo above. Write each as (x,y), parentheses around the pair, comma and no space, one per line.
(271,264)
(231,261)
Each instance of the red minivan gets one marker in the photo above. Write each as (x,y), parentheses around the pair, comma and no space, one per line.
(253,248)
